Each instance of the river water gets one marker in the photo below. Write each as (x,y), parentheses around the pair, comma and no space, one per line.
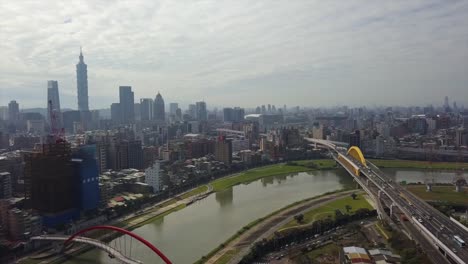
(186,235)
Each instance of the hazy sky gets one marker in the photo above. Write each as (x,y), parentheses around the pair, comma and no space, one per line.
(238,52)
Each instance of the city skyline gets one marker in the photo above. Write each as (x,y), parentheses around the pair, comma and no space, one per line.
(329,54)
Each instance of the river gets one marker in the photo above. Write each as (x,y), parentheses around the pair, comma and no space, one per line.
(186,235)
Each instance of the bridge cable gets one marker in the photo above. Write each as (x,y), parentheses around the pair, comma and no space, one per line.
(131,240)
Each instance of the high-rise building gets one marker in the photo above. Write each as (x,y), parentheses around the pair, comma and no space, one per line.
(135,154)
(137,111)
(118,155)
(153,176)
(82,84)
(192,110)
(355,139)
(233,114)
(173,108)
(50,183)
(5,185)
(146,109)
(127,107)
(86,177)
(13,111)
(159,112)
(70,119)
(3,112)
(53,103)
(179,114)
(461,137)
(116,115)
(202,114)
(223,150)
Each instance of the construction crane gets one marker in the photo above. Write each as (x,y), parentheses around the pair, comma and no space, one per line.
(57,134)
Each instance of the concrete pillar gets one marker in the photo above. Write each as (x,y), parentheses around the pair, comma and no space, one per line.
(428,187)
(391,209)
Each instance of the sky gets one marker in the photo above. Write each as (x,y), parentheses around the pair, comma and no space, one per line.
(238,52)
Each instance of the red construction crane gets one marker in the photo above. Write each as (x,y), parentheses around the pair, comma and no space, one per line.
(57,134)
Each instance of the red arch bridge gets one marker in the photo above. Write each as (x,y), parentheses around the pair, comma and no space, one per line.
(120,248)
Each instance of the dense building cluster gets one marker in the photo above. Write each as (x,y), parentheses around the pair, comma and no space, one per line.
(60,168)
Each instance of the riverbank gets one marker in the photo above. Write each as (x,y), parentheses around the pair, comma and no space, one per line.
(440,193)
(264,227)
(271,170)
(176,203)
(414,164)
(328,210)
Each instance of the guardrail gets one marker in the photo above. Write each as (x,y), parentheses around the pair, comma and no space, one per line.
(459,224)
(437,241)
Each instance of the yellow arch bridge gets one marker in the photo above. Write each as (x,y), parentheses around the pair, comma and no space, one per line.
(356,154)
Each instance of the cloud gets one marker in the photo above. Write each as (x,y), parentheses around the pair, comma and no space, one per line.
(280,52)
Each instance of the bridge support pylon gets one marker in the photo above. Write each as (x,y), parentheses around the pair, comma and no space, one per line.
(391,208)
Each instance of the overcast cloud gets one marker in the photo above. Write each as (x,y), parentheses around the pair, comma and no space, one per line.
(238,52)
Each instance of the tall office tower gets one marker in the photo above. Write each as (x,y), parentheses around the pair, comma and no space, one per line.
(223,150)
(159,113)
(173,108)
(135,154)
(13,111)
(192,110)
(82,84)
(146,109)
(179,114)
(127,101)
(202,114)
(137,111)
(116,115)
(53,100)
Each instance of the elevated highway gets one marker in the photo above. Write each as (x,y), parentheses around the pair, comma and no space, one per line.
(435,228)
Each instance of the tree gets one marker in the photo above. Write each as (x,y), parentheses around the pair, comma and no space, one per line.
(348,208)
(299,218)
(353,195)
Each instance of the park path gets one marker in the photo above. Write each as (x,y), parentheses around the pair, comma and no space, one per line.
(241,245)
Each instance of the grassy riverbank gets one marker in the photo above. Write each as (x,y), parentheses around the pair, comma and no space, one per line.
(230,254)
(414,164)
(328,210)
(440,193)
(277,169)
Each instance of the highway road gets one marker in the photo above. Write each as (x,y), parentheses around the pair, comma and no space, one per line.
(437,223)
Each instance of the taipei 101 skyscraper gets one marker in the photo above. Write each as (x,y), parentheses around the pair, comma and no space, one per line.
(82,84)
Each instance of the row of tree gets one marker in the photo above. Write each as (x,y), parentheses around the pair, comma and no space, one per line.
(280,240)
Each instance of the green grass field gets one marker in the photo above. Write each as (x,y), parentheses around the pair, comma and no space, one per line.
(330,249)
(412,164)
(194,192)
(328,210)
(226,257)
(277,169)
(443,193)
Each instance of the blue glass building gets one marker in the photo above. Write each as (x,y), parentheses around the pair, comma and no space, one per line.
(87,177)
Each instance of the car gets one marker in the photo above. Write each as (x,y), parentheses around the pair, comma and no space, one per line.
(454,250)
(420,220)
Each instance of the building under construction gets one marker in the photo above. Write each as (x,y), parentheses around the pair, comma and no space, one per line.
(49,182)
